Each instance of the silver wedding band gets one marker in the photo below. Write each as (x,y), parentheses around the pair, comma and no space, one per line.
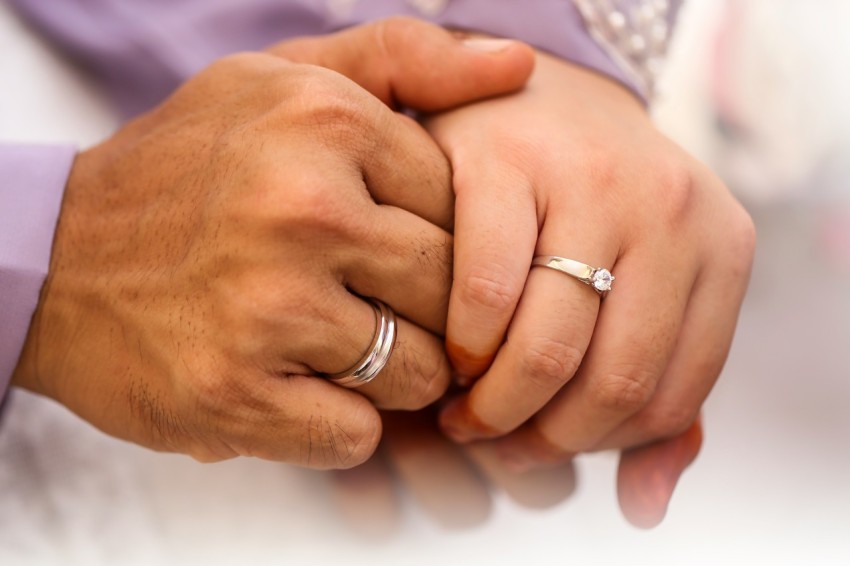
(598,278)
(378,353)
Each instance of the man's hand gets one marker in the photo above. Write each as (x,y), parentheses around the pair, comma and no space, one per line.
(572,166)
(211,257)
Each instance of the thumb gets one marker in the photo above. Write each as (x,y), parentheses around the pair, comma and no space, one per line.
(648,475)
(417,64)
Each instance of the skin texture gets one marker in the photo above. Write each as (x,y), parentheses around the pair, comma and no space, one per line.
(573,166)
(211,256)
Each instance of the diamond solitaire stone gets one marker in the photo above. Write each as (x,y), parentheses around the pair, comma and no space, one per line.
(601,280)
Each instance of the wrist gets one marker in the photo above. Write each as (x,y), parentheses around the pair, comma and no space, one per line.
(565,82)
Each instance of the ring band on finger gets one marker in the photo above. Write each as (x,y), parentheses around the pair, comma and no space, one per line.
(377,355)
(598,278)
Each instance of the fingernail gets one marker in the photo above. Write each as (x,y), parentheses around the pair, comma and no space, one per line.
(467,366)
(487,44)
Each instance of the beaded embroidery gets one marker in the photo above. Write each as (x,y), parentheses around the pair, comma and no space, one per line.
(634,34)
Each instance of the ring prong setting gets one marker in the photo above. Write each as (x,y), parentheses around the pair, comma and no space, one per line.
(602,280)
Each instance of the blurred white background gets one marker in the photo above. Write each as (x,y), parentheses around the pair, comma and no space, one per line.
(757,89)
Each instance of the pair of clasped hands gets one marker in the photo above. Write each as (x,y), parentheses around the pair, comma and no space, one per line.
(212,259)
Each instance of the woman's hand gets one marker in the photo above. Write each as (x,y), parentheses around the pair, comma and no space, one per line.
(572,166)
(212,257)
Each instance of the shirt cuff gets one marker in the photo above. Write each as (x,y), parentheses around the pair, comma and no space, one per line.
(32,182)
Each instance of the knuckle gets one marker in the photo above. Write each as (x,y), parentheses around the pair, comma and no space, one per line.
(341,444)
(392,29)
(675,189)
(217,395)
(743,235)
(166,427)
(204,456)
(489,288)
(321,101)
(433,381)
(311,199)
(308,206)
(415,381)
(211,452)
(626,391)
(550,363)
(335,114)
(737,236)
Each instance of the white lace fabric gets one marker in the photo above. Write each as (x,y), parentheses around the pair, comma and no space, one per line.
(635,34)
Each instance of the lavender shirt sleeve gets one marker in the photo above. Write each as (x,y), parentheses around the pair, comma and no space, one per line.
(141,50)
(32,181)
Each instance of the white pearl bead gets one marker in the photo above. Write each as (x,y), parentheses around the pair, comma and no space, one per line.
(637,43)
(634,33)
(617,20)
(429,8)
(646,13)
